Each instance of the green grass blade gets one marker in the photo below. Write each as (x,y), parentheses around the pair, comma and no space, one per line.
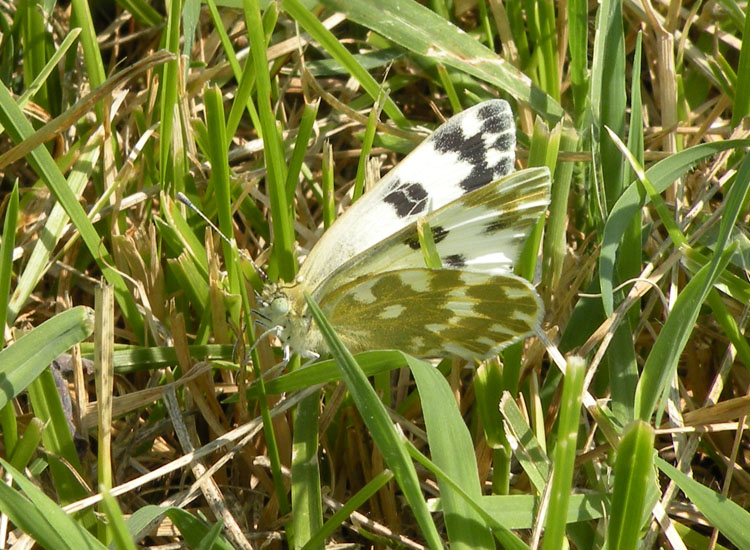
(452,450)
(6,252)
(23,361)
(608,94)
(116,523)
(357,500)
(74,535)
(565,454)
(306,124)
(36,514)
(272,146)
(170,147)
(218,151)
(741,105)
(728,517)
(91,54)
(527,449)
(27,445)
(662,361)
(502,533)
(307,500)
(578,47)
(633,473)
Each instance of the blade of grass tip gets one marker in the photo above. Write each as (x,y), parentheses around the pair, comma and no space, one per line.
(449,88)
(329,198)
(169,87)
(273,149)
(564,454)
(34,39)
(427,244)
(116,522)
(379,424)
(104,348)
(6,253)
(304,131)
(369,137)
(633,473)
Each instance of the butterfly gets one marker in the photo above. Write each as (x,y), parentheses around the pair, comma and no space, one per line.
(367,272)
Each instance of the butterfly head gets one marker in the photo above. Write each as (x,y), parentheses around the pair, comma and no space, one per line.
(283,307)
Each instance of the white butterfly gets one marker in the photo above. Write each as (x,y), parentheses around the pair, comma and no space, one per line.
(367,271)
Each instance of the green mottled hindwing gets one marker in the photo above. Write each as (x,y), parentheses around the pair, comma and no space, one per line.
(427,312)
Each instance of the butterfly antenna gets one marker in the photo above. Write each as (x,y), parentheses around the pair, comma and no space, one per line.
(187,202)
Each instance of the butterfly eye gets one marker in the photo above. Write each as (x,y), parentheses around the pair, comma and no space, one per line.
(280,306)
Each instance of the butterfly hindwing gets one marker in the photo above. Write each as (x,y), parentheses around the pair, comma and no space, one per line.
(469,151)
(427,312)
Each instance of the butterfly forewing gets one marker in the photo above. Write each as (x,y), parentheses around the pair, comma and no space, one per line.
(481,231)
(469,151)
(428,312)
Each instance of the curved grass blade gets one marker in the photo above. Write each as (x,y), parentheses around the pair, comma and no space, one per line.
(23,361)
(380,426)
